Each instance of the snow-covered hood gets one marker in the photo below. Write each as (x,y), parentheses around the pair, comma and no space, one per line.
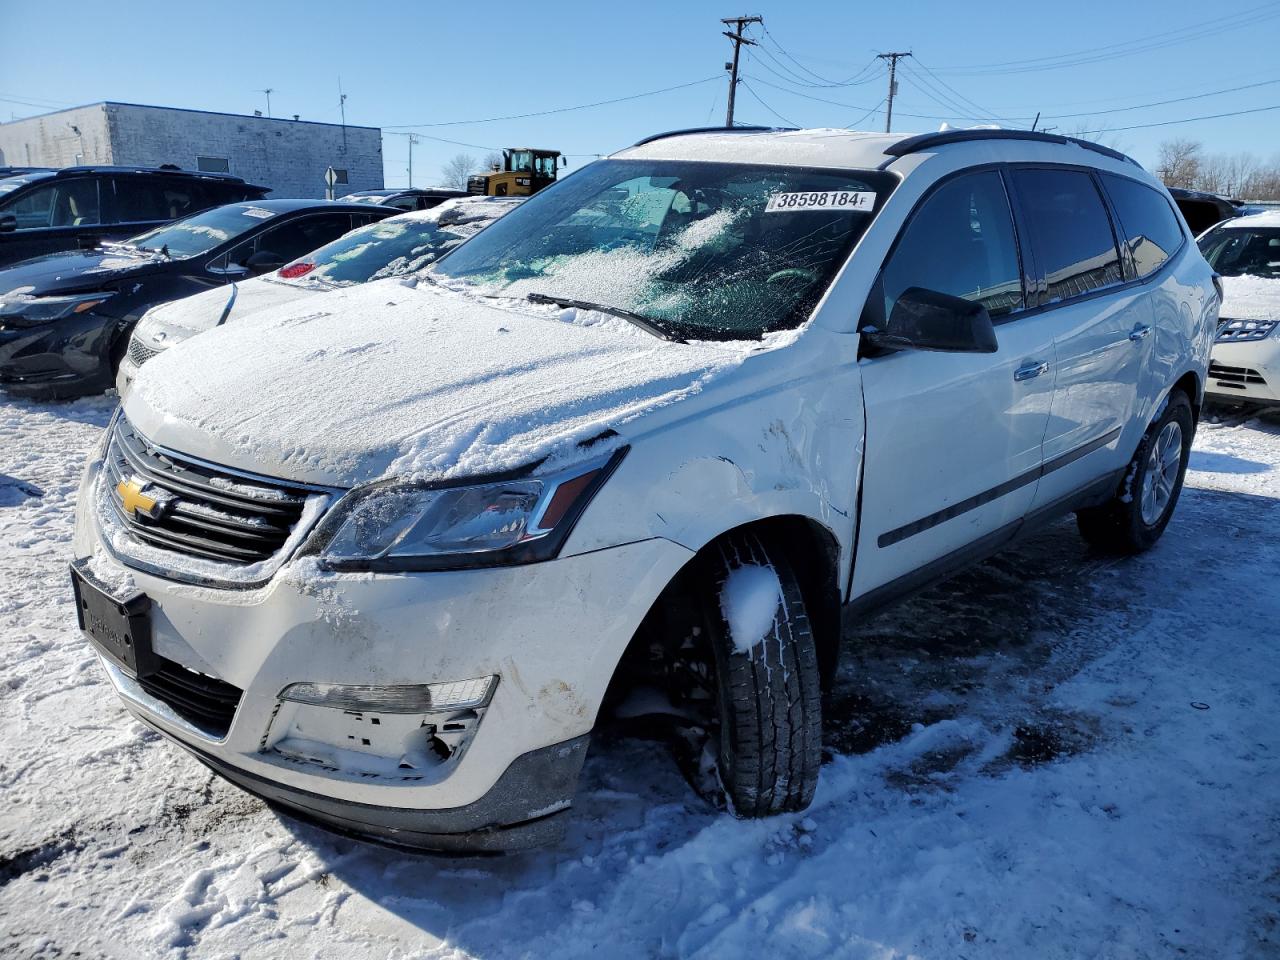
(75,271)
(177,320)
(386,379)
(1250,298)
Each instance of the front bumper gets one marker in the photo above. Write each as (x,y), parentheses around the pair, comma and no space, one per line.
(65,358)
(1246,372)
(552,633)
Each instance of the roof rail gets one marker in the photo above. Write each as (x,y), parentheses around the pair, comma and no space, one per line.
(163,169)
(735,129)
(926,141)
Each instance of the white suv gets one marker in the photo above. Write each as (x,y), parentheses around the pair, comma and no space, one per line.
(383,559)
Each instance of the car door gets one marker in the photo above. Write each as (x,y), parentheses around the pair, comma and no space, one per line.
(953,440)
(1101,327)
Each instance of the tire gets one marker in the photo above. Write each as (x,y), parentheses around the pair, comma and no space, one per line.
(1136,515)
(768,696)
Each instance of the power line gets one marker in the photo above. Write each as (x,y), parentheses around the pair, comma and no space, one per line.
(1169,123)
(849,106)
(1195,31)
(760,100)
(543,113)
(866,115)
(1161,103)
(982,111)
(823,81)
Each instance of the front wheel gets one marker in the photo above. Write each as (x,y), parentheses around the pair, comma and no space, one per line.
(767,688)
(1135,517)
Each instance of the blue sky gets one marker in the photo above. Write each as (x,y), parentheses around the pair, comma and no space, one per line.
(406,64)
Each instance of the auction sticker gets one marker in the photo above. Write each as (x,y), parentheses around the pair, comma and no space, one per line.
(258,212)
(829,200)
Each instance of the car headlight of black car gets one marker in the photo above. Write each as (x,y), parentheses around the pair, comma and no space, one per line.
(35,311)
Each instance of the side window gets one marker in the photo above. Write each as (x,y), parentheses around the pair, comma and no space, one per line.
(75,204)
(960,242)
(291,240)
(1153,232)
(33,209)
(138,200)
(1070,231)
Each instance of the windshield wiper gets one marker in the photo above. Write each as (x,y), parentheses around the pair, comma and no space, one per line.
(644,323)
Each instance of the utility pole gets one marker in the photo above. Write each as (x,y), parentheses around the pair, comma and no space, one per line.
(738,40)
(893,59)
(412,138)
(268,91)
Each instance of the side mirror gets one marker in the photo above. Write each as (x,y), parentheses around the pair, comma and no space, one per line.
(8,222)
(928,320)
(264,261)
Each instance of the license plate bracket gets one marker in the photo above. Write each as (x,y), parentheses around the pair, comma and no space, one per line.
(119,627)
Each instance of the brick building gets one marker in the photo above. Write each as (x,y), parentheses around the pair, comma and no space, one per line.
(289,156)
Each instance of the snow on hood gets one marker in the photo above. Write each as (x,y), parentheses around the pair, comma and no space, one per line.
(391,380)
(187,316)
(1251,298)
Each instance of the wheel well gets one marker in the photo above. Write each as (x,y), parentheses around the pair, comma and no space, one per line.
(1189,384)
(812,552)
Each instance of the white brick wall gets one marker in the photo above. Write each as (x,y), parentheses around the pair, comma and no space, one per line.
(288,156)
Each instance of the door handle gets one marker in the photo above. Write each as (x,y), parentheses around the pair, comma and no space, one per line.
(1030,370)
(1139,333)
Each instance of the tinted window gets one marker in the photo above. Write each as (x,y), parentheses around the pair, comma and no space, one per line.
(139,199)
(291,240)
(960,242)
(1070,231)
(700,249)
(1235,251)
(1152,229)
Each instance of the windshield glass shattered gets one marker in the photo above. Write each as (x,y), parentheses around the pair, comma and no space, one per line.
(712,251)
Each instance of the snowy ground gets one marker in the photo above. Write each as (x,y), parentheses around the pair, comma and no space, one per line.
(1055,755)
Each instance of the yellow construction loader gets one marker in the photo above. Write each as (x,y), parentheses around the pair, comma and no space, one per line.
(524,171)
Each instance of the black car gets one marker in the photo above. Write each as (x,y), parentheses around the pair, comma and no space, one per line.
(412,198)
(65,318)
(1202,210)
(42,211)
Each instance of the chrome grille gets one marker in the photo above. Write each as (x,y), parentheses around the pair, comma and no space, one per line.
(139,352)
(199,510)
(1238,331)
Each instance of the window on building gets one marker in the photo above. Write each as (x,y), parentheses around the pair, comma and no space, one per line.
(1070,231)
(213,164)
(1153,232)
(960,242)
(339,175)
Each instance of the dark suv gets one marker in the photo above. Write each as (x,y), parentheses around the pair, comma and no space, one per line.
(408,198)
(65,318)
(44,211)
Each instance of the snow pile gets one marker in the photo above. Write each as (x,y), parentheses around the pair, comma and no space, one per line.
(749,601)
(387,380)
(1016,770)
(1248,297)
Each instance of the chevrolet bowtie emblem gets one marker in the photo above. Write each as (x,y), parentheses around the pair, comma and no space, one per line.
(137,500)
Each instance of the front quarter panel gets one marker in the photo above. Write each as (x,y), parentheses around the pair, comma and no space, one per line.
(775,440)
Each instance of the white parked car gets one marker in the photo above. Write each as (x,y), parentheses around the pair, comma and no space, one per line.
(1246,357)
(383,559)
(398,246)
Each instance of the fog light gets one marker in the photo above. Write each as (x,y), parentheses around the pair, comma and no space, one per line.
(407,698)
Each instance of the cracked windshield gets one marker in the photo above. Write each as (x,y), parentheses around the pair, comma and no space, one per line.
(707,251)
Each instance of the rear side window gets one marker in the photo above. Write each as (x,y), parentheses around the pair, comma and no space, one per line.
(145,199)
(1153,232)
(291,240)
(960,242)
(1069,231)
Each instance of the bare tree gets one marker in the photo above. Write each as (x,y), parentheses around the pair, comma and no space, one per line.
(457,170)
(1179,163)
(493,161)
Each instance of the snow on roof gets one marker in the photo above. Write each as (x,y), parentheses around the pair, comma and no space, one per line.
(833,147)
(1266,218)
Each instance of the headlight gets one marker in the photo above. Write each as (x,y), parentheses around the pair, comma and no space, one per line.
(404,526)
(37,310)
